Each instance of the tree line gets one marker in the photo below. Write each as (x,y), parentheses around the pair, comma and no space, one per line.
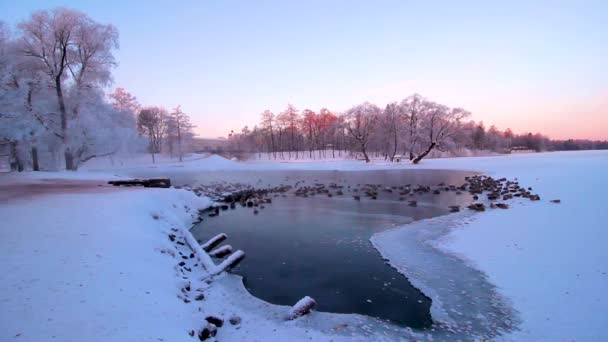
(56,66)
(410,129)
(54,112)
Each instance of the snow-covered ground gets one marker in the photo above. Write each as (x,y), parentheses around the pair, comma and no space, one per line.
(87,263)
(549,260)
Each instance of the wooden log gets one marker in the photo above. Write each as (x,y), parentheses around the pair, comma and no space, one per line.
(213,242)
(301,308)
(221,252)
(148,183)
(231,261)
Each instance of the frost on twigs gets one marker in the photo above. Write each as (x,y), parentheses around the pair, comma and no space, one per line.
(302,307)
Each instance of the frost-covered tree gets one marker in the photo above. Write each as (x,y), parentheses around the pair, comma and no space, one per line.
(289,121)
(360,123)
(74,52)
(439,123)
(151,122)
(179,130)
(268,130)
(124,101)
(390,123)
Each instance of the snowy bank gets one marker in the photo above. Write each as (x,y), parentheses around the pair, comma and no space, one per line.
(98,262)
(84,266)
(547,259)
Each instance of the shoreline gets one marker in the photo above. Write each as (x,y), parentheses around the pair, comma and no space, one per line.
(514,249)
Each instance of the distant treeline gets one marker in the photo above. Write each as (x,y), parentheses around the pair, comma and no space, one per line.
(409,129)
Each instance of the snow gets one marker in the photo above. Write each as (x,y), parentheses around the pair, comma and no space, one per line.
(77,266)
(547,259)
(82,262)
(95,262)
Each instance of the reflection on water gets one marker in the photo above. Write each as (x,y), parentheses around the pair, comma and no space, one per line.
(319,246)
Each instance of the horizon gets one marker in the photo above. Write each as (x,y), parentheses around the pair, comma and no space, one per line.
(530,67)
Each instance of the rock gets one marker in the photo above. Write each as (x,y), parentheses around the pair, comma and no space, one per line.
(475,197)
(454,208)
(208,331)
(215,320)
(357,198)
(199,297)
(224,207)
(255,212)
(556,201)
(413,203)
(234,320)
(502,205)
(534,198)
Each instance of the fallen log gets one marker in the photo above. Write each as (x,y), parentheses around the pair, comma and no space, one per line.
(221,252)
(147,183)
(301,308)
(213,242)
(231,261)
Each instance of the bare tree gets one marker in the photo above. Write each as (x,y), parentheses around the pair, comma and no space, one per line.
(360,122)
(289,120)
(180,122)
(412,108)
(268,124)
(151,121)
(124,101)
(440,123)
(390,123)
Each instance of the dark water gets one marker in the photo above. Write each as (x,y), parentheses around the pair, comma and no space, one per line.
(319,246)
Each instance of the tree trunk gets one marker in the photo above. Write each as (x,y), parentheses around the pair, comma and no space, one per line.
(179,141)
(394,146)
(35,165)
(69,157)
(364,153)
(423,154)
(69,160)
(16,163)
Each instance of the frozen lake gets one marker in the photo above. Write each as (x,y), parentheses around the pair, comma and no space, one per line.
(319,245)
